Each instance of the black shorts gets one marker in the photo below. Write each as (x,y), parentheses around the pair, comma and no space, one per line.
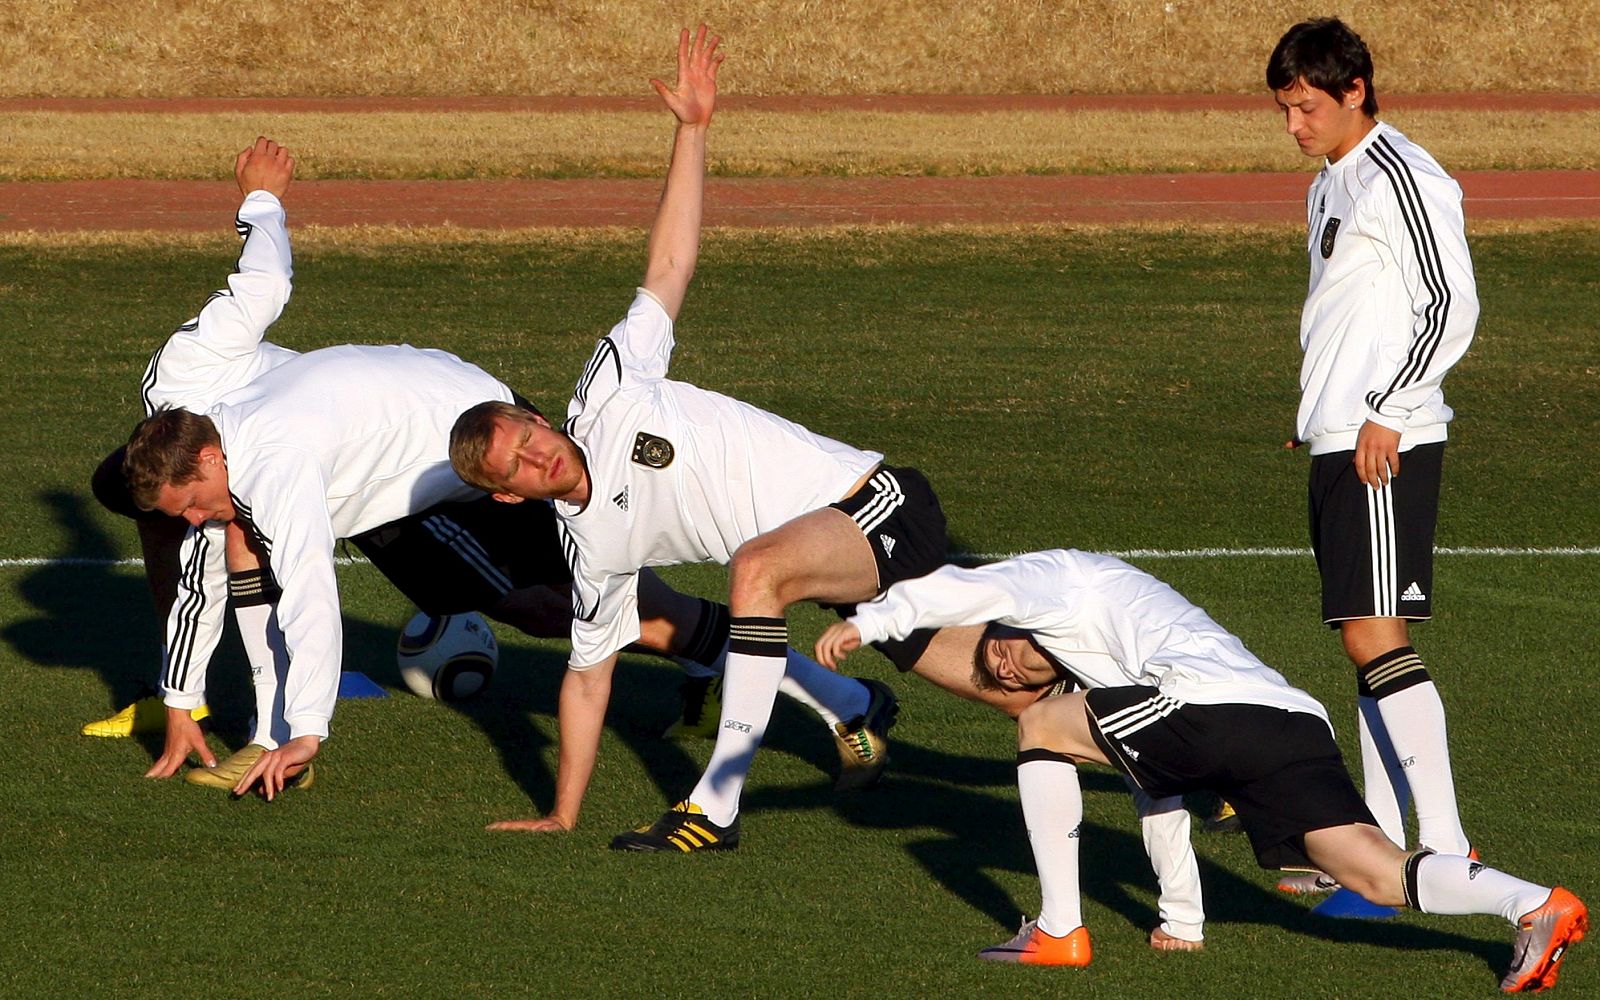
(1374,548)
(900,516)
(466,556)
(1280,770)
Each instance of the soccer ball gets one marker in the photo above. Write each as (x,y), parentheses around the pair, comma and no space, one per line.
(449,657)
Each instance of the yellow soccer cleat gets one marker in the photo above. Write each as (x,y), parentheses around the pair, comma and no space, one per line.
(147,715)
(228,772)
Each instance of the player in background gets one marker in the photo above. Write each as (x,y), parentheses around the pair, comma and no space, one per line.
(468,555)
(1177,704)
(1392,306)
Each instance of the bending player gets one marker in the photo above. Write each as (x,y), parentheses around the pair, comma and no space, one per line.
(651,472)
(453,556)
(1178,704)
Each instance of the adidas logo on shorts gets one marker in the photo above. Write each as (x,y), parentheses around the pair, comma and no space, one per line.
(1413,593)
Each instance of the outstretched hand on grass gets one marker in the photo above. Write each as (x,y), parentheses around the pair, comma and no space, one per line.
(184,737)
(695,95)
(276,768)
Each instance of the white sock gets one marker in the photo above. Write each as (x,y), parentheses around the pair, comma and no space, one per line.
(1165,823)
(1449,883)
(1414,719)
(1052,808)
(269,663)
(748,689)
(1383,781)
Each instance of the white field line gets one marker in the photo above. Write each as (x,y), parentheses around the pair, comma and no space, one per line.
(983,557)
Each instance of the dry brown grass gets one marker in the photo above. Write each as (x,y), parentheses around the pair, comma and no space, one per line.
(281,47)
(62,146)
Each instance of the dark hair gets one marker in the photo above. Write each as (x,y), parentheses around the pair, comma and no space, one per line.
(1327,55)
(164,450)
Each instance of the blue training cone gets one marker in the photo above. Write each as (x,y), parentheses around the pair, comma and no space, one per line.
(355,684)
(1347,904)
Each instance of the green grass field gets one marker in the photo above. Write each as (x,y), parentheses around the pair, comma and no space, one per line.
(1110,390)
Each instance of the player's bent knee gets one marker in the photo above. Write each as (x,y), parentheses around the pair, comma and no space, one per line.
(1048,724)
(755,577)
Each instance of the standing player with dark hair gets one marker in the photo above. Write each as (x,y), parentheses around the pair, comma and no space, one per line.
(1178,704)
(1392,306)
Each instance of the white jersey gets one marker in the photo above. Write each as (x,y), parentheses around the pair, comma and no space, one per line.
(207,357)
(1392,303)
(1108,623)
(330,444)
(677,474)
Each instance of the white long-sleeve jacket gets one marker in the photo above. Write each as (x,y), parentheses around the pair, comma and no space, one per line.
(1392,304)
(327,445)
(207,357)
(1108,623)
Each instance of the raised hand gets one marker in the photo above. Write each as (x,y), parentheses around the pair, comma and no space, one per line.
(264,166)
(695,95)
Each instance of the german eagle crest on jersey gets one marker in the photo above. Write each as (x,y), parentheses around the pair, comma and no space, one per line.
(652,451)
(1329,231)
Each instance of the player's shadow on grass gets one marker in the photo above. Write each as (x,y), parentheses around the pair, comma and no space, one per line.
(88,615)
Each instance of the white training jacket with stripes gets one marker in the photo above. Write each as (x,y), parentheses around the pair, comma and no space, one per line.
(207,357)
(1108,623)
(1392,303)
(677,474)
(330,444)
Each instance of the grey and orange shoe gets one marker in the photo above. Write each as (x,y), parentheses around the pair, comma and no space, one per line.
(1033,946)
(1543,938)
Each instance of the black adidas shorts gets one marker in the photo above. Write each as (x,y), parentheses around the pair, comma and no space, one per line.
(900,516)
(466,556)
(1375,547)
(1280,770)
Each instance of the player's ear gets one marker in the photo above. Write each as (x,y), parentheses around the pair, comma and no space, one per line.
(507,497)
(1356,95)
